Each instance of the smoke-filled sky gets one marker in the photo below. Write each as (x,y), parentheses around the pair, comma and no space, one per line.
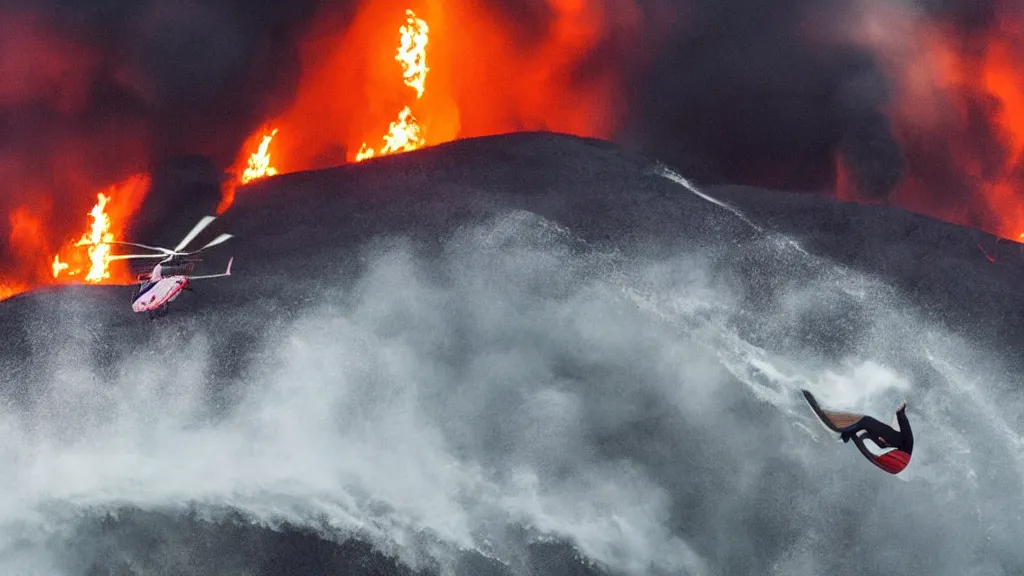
(181,77)
(770,93)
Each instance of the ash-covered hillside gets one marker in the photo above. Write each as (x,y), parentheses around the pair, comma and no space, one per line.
(520,354)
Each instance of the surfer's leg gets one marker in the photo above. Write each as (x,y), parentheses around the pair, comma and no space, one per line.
(876,429)
(906,433)
(851,430)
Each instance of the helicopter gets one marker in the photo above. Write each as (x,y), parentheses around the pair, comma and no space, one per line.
(165,282)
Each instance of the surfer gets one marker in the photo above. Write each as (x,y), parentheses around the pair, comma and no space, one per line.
(885,437)
(858,427)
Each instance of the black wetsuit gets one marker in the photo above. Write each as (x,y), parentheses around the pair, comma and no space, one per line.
(882,434)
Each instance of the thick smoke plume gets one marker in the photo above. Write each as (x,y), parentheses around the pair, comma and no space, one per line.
(959,110)
(91,93)
(754,92)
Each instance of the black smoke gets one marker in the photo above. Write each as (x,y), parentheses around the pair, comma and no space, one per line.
(777,93)
(745,92)
(94,91)
(196,75)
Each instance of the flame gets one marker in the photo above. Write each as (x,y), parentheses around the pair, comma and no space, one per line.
(404,134)
(958,114)
(107,218)
(98,240)
(59,266)
(11,289)
(39,259)
(256,166)
(412,52)
(259,161)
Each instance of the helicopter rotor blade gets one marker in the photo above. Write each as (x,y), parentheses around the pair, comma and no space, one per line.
(167,254)
(137,256)
(218,240)
(146,246)
(199,227)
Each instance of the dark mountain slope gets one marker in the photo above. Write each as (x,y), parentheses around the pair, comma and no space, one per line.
(960,277)
(530,302)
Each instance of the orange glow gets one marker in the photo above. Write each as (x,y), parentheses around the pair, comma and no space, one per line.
(28,242)
(227,198)
(958,114)
(88,258)
(464,69)
(10,289)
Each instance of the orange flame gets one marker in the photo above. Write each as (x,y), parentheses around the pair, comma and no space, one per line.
(59,266)
(83,259)
(256,166)
(259,161)
(412,52)
(98,240)
(8,289)
(108,218)
(404,135)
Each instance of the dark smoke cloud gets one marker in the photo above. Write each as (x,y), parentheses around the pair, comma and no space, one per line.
(91,92)
(747,92)
(777,93)
(966,15)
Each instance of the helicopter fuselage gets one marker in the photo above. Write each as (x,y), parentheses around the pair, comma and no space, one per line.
(155,295)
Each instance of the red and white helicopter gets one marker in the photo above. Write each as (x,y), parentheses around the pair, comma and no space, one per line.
(158,289)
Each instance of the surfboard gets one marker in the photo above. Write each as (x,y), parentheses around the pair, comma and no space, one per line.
(834,420)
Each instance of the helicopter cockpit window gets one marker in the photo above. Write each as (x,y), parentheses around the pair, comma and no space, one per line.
(143,288)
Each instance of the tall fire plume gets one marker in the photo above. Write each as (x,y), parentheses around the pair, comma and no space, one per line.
(404,134)
(402,77)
